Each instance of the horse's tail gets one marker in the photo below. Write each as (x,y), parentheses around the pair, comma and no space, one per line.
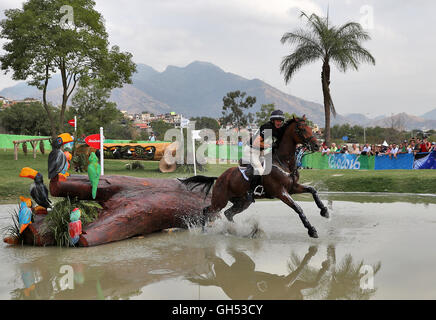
(196,181)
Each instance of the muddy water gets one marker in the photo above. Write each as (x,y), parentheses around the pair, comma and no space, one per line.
(372,247)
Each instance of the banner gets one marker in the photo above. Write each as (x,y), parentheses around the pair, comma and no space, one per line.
(402,161)
(338,161)
(428,162)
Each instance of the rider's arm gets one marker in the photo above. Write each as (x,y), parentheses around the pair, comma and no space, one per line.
(259,143)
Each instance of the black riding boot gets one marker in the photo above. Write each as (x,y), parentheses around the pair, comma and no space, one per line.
(251,179)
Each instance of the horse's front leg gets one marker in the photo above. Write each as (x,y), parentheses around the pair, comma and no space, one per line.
(286,198)
(299,188)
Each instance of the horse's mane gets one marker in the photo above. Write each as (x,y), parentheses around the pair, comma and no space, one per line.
(289,122)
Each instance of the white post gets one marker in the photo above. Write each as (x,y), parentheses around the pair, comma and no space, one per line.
(195,160)
(101,151)
(182,138)
(75,124)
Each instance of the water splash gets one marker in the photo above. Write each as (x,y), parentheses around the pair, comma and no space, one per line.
(247,228)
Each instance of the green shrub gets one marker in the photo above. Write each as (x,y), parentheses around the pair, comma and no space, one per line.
(58,218)
(136,165)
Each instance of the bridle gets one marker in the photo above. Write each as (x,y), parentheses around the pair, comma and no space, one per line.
(299,130)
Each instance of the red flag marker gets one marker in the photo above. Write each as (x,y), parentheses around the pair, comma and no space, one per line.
(93,141)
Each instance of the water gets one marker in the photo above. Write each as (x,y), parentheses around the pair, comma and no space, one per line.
(266,254)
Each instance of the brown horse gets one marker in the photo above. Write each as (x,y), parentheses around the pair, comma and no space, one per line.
(281,182)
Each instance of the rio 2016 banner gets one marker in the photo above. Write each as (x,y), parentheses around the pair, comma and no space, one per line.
(338,161)
(403,161)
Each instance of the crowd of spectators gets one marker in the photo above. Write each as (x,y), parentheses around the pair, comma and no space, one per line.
(414,145)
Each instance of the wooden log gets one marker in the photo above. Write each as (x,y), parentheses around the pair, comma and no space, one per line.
(16,150)
(34,144)
(131,206)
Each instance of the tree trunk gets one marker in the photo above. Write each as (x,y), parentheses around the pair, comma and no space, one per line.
(131,206)
(46,107)
(64,96)
(325,80)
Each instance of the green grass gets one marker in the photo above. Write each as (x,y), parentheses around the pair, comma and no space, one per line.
(401,181)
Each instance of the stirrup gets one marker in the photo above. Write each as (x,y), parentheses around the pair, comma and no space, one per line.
(256,192)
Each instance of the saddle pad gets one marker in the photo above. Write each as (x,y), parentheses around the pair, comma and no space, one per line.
(243,169)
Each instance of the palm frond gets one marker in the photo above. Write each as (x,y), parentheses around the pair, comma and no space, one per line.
(301,37)
(301,56)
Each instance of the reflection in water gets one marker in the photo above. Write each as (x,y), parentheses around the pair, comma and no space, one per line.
(106,276)
(124,279)
(240,280)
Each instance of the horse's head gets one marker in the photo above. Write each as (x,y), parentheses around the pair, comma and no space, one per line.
(304,135)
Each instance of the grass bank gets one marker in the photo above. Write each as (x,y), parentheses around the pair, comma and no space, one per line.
(400,181)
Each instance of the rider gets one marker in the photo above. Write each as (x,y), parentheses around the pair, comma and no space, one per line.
(252,151)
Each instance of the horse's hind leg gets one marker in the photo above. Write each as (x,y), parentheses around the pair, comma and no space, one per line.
(286,198)
(238,206)
(299,188)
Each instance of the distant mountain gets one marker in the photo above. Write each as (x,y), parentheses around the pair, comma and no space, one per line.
(198,90)
(404,121)
(357,119)
(431,115)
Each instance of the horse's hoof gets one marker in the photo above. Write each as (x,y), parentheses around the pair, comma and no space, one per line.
(325,212)
(312,233)
(229,217)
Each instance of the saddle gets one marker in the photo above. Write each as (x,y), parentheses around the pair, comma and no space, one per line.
(256,183)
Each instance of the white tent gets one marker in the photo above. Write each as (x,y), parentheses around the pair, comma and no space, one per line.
(385,144)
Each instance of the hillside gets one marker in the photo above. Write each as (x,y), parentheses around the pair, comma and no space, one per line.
(198,89)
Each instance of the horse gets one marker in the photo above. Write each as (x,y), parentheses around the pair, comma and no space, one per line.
(280,182)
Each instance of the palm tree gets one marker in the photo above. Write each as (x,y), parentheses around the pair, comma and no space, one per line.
(340,45)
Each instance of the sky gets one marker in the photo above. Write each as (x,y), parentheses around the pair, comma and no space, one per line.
(243,37)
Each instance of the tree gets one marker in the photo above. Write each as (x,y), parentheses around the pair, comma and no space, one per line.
(340,45)
(42,44)
(264,114)
(234,106)
(206,123)
(160,127)
(28,119)
(93,109)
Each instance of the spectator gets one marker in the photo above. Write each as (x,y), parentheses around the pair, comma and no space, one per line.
(377,150)
(325,150)
(384,147)
(373,150)
(388,150)
(354,149)
(152,137)
(411,146)
(333,147)
(403,147)
(433,146)
(417,146)
(344,149)
(366,150)
(425,145)
(394,151)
